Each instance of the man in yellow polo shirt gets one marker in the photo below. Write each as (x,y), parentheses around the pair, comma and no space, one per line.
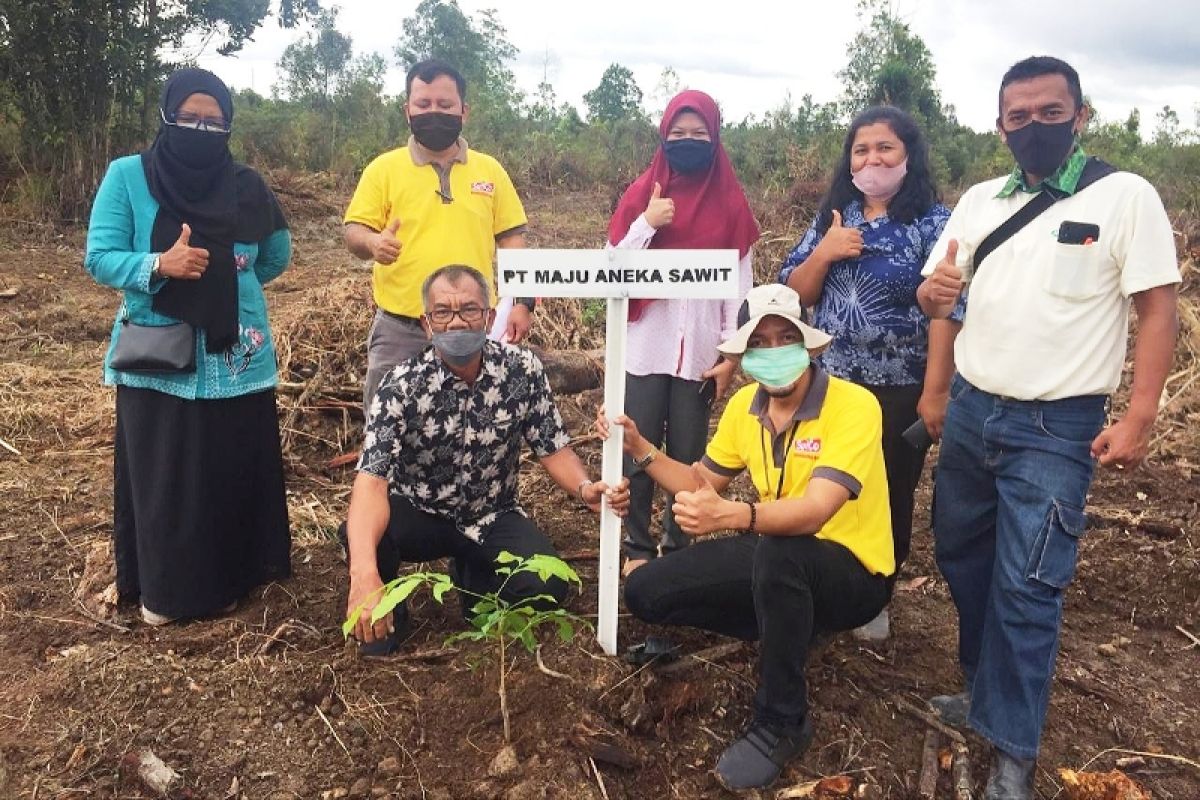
(421,207)
(815,550)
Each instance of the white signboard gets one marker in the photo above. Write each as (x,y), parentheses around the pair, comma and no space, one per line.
(617,275)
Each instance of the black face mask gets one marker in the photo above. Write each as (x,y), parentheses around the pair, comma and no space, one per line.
(689,155)
(1040,148)
(196,149)
(436,130)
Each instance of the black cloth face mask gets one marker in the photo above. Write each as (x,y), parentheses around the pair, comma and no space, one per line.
(1039,147)
(436,130)
(689,155)
(196,149)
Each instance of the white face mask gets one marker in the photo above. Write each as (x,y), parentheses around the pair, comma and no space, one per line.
(879,182)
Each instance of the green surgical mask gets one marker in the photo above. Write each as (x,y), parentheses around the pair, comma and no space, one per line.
(776,367)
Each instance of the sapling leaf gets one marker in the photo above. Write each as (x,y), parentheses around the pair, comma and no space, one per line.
(547,566)
(440,588)
(351,621)
(395,597)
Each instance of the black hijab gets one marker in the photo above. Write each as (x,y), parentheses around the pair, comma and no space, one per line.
(195,180)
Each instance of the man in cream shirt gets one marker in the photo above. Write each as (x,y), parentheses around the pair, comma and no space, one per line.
(1041,350)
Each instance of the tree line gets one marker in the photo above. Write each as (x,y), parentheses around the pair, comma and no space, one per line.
(79,84)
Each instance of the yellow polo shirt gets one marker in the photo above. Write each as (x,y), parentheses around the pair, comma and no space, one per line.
(449,216)
(836,434)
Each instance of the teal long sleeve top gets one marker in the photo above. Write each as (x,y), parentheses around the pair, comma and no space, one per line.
(119,255)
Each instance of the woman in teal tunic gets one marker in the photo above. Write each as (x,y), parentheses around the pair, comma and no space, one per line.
(188,235)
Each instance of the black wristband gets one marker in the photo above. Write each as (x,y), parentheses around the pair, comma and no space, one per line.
(528,302)
(753,517)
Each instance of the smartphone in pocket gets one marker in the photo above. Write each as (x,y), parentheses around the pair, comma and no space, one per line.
(1078,232)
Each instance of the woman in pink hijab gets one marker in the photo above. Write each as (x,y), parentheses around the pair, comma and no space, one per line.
(688,198)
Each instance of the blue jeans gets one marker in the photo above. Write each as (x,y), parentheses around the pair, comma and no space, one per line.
(1012,479)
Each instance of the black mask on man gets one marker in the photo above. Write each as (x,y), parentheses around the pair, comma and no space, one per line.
(1041,148)
(435,129)
(688,155)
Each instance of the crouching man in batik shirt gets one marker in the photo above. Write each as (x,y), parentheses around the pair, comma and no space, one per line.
(438,472)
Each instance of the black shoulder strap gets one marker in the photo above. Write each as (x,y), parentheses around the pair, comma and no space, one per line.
(1093,170)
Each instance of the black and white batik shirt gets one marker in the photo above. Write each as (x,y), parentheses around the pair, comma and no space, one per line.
(454,450)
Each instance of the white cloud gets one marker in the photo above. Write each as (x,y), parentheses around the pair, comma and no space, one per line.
(753,54)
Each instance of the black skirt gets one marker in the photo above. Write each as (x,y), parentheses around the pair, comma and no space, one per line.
(199,510)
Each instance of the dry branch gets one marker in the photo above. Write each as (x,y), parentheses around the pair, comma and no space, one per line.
(927,784)
(704,656)
(930,720)
(960,771)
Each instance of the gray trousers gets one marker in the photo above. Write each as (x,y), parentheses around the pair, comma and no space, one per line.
(390,341)
(671,413)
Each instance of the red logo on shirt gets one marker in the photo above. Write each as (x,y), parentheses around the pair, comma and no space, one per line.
(808,448)
(483,187)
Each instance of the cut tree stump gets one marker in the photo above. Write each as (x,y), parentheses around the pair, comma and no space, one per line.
(572,371)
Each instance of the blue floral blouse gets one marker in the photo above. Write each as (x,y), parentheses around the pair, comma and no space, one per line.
(869,304)
(118,255)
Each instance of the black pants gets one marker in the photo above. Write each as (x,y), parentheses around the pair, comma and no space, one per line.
(903,462)
(413,536)
(671,413)
(776,589)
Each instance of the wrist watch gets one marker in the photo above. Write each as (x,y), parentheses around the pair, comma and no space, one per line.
(528,302)
(644,461)
(155,272)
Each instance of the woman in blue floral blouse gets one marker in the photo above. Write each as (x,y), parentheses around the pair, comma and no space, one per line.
(858,266)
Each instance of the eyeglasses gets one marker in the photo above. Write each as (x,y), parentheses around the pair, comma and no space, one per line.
(196,122)
(468,314)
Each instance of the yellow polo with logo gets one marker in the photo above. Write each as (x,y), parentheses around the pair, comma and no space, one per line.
(835,434)
(451,215)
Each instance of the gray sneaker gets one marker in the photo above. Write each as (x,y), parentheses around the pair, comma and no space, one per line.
(755,760)
(1011,778)
(952,708)
(877,630)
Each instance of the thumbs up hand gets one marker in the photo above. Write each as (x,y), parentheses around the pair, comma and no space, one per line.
(840,243)
(386,247)
(660,210)
(702,510)
(938,293)
(183,261)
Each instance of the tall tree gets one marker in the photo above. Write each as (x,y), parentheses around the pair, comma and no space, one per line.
(477,47)
(617,97)
(311,69)
(889,64)
(84,74)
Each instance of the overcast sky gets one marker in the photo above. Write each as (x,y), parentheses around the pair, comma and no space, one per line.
(751,54)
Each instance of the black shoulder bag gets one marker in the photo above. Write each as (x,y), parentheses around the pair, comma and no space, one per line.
(1094,170)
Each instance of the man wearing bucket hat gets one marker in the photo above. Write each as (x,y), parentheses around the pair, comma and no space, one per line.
(813,553)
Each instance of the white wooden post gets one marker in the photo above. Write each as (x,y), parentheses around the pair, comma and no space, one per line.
(617,275)
(608,577)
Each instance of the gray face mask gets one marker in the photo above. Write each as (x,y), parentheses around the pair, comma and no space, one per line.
(457,348)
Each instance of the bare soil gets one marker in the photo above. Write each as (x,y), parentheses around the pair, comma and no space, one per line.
(270,703)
